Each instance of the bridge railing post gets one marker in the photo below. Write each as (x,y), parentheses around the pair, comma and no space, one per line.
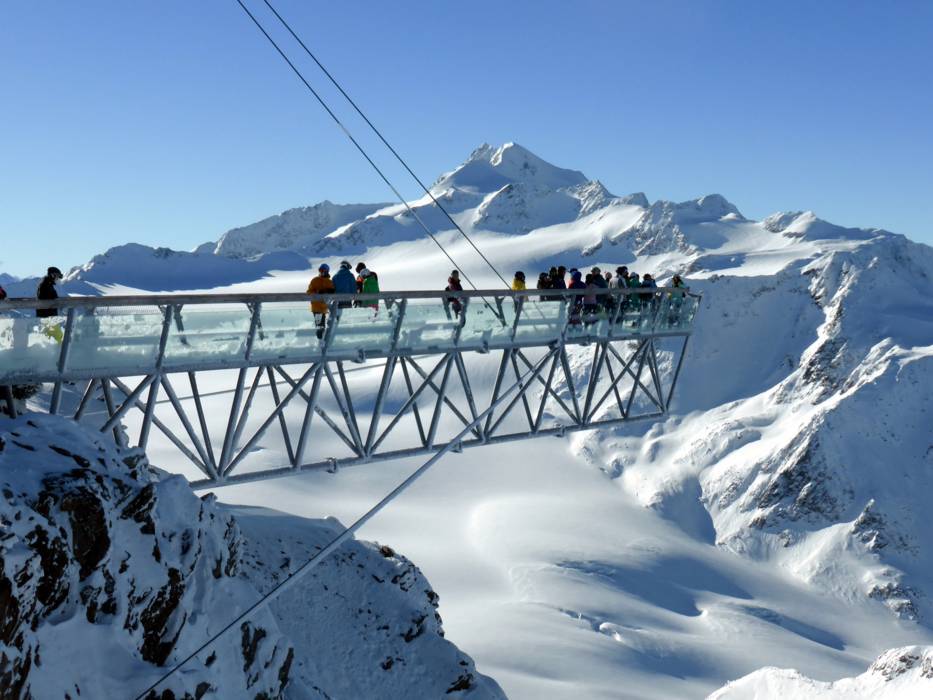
(168,315)
(62,364)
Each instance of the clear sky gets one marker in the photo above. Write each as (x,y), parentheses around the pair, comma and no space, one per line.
(167,122)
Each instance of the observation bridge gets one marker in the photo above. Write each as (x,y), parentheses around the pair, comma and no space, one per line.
(397,376)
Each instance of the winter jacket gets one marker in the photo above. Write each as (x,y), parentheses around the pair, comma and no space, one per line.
(370,286)
(360,278)
(677,285)
(453,285)
(648,284)
(344,282)
(576,301)
(2,294)
(320,285)
(45,292)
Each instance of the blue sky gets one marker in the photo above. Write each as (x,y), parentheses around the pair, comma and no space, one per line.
(169,122)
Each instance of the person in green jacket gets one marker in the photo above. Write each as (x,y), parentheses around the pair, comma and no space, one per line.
(370,286)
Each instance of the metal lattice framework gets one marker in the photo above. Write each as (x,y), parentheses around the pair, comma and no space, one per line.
(377,385)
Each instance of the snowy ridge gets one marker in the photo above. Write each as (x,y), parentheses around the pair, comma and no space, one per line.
(111,571)
(898,674)
(295,229)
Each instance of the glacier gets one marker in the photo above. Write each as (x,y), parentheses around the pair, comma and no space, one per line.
(776,518)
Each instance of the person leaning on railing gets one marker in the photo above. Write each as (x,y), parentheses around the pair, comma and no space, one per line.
(454,285)
(46,292)
(344,283)
(322,284)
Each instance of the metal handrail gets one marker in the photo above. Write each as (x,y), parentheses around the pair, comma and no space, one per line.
(176,299)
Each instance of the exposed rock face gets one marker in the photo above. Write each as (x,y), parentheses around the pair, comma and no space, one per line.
(111,571)
(94,539)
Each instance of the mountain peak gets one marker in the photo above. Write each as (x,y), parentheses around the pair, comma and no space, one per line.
(491,168)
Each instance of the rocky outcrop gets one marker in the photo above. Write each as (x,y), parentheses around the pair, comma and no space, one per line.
(111,571)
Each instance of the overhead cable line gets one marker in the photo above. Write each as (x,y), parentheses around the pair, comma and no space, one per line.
(358,146)
(382,138)
(321,554)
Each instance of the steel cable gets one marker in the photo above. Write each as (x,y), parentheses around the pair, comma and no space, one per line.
(382,138)
(356,143)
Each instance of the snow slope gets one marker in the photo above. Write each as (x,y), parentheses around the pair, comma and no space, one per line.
(776,518)
(898,674)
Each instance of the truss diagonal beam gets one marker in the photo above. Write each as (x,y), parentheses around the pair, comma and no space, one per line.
(450,404)
(638,382)
(410,402)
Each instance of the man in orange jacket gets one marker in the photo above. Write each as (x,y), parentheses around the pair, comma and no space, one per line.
(322,284)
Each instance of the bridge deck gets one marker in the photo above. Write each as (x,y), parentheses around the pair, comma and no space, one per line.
(128,336)
(114,362)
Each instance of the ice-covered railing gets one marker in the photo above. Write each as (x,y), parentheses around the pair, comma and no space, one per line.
(129,335)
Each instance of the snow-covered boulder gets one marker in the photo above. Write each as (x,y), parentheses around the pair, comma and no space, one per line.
(110,571)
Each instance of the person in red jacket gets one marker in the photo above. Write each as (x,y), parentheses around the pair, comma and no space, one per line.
(453,285)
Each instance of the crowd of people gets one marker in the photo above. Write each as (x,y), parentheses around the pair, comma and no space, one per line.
(343,282)
(584,308)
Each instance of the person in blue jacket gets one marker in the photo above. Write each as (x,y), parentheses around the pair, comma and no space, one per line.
(344,283)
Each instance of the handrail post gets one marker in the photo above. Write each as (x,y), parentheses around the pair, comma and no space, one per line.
(461,322)
(62,361)
(397,329)
(255,307)
(519,305)
(167,318)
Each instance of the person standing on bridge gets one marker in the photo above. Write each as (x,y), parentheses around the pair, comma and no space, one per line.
(370,286)
(518,283)
(46,292)
(322,284)
(345,283)
(453,285)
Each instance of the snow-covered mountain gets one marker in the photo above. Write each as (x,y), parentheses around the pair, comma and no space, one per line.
(898,674)
(800,441)
(109,572)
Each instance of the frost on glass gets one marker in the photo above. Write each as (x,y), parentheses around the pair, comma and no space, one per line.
(479,322)
(286,331)
(115,338)
(427,325)
(207,334)
(540,321)
(30,344)
(364,329)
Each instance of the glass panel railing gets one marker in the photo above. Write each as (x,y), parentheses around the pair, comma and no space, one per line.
(479,323)
(29,345)
(207,334)
(286,331)
(427,325)
(501,333)
(124,338)
(541,321)
(364,329)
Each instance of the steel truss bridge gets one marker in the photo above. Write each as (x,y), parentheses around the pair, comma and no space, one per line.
(392,375)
